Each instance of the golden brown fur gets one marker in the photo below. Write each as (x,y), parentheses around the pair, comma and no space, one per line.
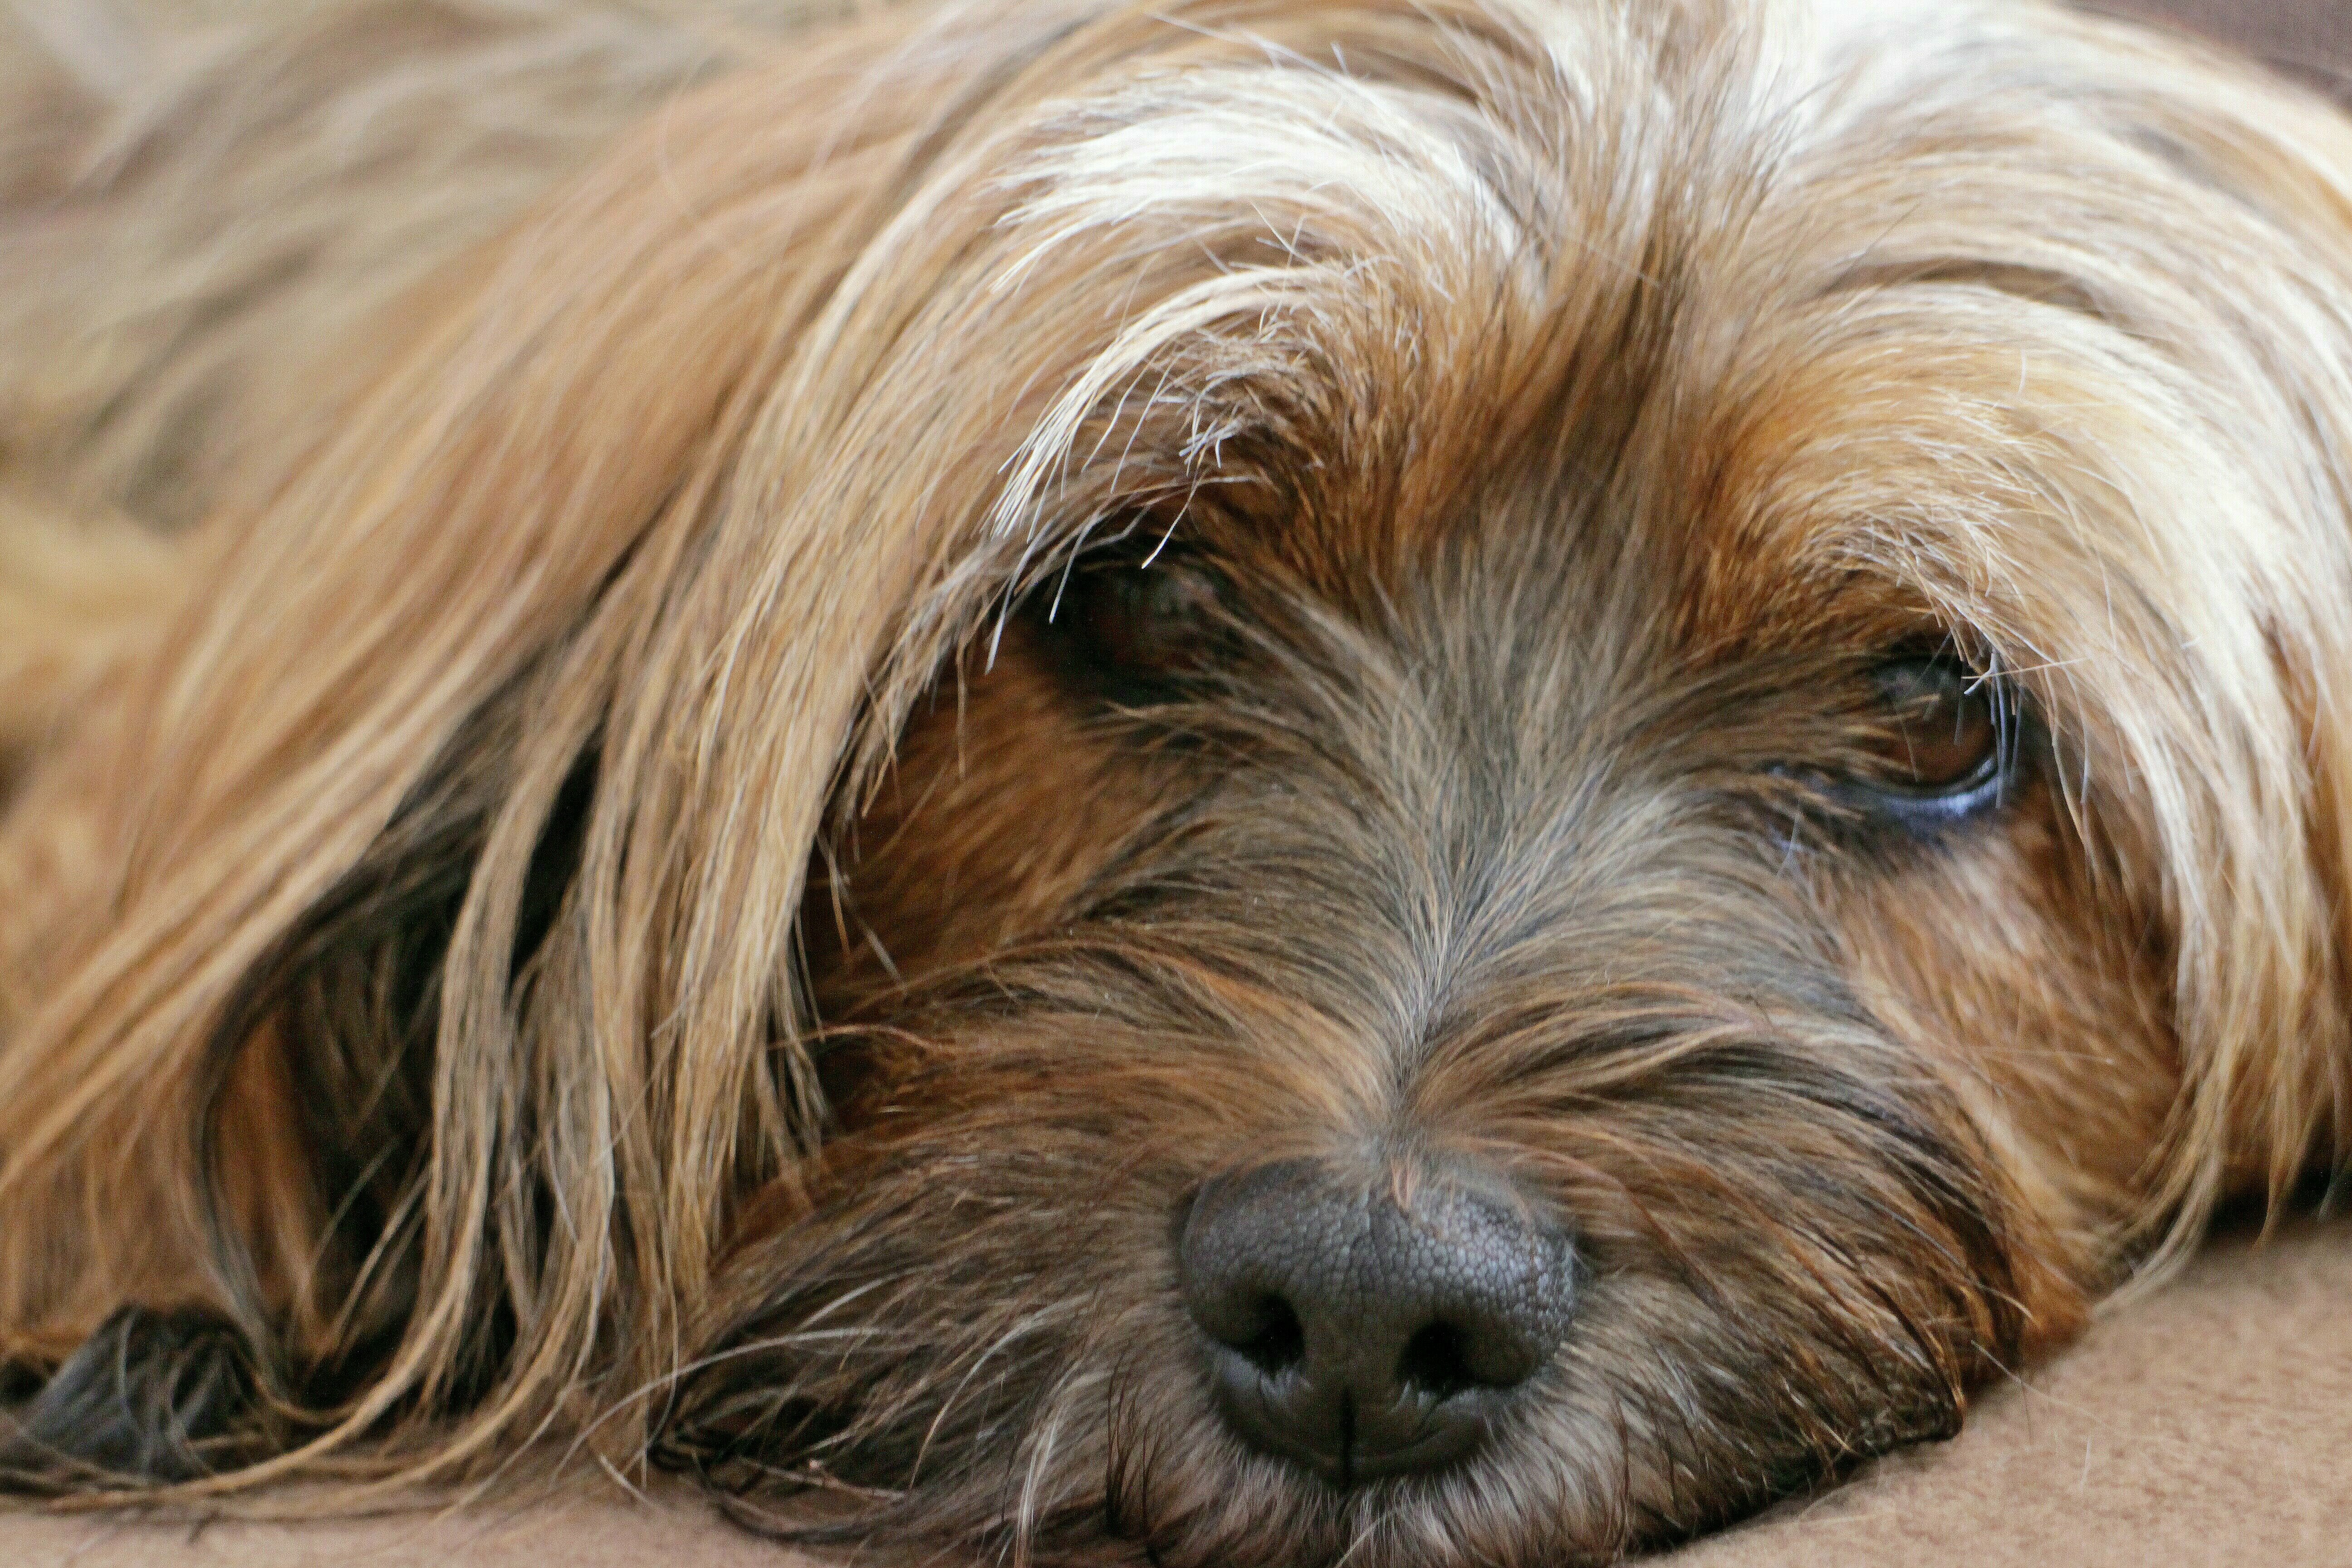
(588,893)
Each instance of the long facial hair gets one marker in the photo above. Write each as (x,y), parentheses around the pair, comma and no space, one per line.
(412,977)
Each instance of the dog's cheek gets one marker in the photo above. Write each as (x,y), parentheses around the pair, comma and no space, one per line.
(1011,787)
(2043,999)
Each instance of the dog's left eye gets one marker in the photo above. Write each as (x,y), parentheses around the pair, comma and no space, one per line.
(1141,624)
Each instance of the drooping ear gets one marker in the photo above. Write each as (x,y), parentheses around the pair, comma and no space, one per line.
(2226,717)
(2271,1100)
(2133,290)
(320,866)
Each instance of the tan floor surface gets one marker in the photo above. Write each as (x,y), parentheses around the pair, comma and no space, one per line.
(2210,1423)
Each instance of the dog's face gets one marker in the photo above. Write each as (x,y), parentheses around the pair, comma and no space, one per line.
(1383,783)
(1586,783)
(1435,816)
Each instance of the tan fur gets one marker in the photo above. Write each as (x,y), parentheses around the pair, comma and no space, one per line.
(596,467)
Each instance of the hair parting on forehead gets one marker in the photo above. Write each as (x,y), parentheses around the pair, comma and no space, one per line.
(491,762)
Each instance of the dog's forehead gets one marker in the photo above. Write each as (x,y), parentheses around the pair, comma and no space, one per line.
(1592,453)
(1645,334)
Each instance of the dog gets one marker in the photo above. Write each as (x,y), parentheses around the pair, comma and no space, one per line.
(1250,782)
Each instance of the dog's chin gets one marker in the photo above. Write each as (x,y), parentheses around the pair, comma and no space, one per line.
(1121,1443)
(1090,1421)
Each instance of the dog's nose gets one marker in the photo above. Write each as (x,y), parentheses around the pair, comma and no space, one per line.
(1364,1334)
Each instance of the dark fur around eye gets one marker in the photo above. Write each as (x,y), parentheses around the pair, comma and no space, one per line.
(1136,624)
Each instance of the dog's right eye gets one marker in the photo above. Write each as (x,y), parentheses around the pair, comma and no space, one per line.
(1141,623)
(1945,740)
(1943,730)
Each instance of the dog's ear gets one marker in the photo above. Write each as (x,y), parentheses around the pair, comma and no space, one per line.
(441,868)
(2247,259)
(372,966)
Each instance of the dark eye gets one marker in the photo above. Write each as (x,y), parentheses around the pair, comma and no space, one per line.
(1938,746)
(1941,730)
(1141,623)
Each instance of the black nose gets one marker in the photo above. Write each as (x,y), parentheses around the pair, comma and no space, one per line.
(1362,1335)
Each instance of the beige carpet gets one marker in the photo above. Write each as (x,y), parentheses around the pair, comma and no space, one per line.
(2210,1423)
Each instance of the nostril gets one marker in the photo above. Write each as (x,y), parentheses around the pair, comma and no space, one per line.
(1277,1339)
(1436,1361)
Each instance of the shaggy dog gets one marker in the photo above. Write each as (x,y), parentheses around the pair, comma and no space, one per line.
(1257,781)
